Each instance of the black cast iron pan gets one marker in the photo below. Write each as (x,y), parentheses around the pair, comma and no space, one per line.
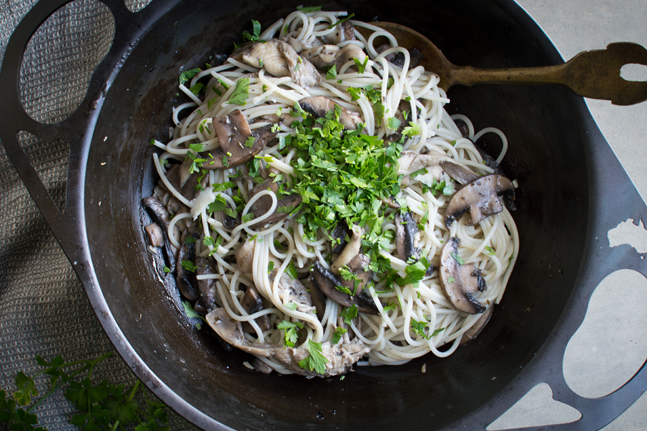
(563,164)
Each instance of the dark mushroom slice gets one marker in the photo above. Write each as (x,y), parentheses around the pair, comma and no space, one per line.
(326,280)
(234,131)
(160,216)
(284,207)
(476,329)
(480,198)
(397,58)
(460,173)
(185,279)
(359,267)
(339,235)
(460,282)
(155,234)
(342,32)
(252,303)
(319,106)
(207,287)
(406,230)
(317,296)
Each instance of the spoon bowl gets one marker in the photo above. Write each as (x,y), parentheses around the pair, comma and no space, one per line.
(593,74)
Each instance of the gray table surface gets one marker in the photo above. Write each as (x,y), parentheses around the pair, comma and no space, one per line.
(612,344)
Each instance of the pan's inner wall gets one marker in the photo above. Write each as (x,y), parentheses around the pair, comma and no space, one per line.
(547,156)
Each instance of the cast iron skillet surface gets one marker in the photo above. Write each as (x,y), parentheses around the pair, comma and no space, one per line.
(561,161)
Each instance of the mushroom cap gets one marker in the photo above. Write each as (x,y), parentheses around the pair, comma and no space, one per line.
(326,280)
(240,154)
(480,198)
(476,329)
(460,282)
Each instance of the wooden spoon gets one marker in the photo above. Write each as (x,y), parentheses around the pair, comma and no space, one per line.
(594,74)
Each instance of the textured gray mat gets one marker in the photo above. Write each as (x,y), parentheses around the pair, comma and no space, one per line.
(44,310)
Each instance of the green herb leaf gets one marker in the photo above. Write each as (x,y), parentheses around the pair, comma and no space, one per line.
(241,92)
(361,66)
(190,312)
(457,258)
(26,388)
(291,305)
(308,9)
(341,21)
(189,75)
(270,266)
(247,217)
(249,143)
(197,88)
(316,361)
(338,333)
(349,314)
(188,265)
(412,130)
(331,73)
(393,123)
(220,187)
(490,250)
(291,331)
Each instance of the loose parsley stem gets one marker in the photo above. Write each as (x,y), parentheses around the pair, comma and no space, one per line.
(130,397)
(88,365)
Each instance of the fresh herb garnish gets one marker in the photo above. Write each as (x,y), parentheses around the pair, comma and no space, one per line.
(457,258)
(349,314)
(291,332)
(316,361)
(188,75)
(188,265)
(256,29)
(241,92)
(338,333)
(308,9)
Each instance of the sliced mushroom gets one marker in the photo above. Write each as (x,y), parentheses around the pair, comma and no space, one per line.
(476,329)
(326,280)
(160,216)
(289,290)
(348,53)
(480,198)
(267,56)
(284,207)
(319,106)
(460,173)
(406,230)
(460,282)
(302,72)
(339,358)
(359,266)
(318,298)
(207,287)
(397,58)
(322,56)
(350,251)
(237,152)
(252,303)
(161,194)
(300,45)
(339,235)
(186,282)
(342,32)
(155,234)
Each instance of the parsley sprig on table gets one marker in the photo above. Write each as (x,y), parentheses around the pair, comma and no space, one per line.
(102,406)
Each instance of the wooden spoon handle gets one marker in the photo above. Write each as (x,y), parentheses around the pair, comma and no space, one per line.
(594,74)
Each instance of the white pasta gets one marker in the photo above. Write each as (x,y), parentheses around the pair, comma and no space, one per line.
(492,245)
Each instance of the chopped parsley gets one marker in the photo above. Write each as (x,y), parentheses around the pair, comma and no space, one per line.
(338,333)
(349,314)
(489,250)
(197,88)
(256,28)
(308,9)
(291,305)
(188,75)
(270,267)
(412,130)
(316,361)
(188,265)
(241,92)
(361,66)
(331,73)
(457,258)
(393,123)
(291,331)
(341,21)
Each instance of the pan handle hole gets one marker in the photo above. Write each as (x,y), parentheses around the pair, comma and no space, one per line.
(610,346)
(136,5)
(634,72)
(536,408)
(50,160)
(60,58)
